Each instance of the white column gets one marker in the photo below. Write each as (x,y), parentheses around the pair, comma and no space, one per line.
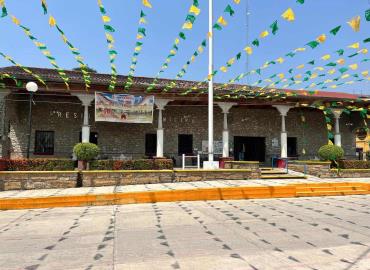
(225,106)
(283,110)
(210,82)
(337,136)
(160,103)
(86,100)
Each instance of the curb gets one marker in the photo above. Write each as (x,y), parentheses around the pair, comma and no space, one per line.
(225,193)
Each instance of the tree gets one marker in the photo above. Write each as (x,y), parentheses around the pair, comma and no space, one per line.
(91,70)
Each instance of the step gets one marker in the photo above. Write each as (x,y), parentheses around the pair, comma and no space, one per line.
(284,176)
(273,172)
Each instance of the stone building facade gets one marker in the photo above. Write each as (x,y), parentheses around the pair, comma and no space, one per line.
(254,128)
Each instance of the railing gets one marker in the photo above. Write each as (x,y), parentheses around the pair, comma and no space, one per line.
(184,157)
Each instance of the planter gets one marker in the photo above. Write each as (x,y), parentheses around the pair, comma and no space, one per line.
(4,165)
(223,160)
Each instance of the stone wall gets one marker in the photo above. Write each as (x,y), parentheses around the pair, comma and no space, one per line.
(254,166)
(37,180)
(115,178)
(205,175)
(350,173)
(128,140)
(319,169)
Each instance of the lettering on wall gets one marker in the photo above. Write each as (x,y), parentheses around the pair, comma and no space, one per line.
(65,114)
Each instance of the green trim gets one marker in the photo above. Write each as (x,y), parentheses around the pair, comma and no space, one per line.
(243,162)
(312,162)
(36,172)
(216,170)
(129,171)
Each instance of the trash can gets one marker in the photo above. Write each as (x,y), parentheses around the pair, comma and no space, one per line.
(222,161)
(281,163)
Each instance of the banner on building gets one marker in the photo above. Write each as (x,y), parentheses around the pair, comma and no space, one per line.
(123,108)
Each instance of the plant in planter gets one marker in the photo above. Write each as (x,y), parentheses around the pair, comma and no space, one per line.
(85,152)
(332,153)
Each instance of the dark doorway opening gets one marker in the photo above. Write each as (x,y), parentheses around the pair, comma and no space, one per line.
(185,144)
(249,148)
(93,137)
(292,147)
(150,145)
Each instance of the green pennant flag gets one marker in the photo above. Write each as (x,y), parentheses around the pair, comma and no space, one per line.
(355,75)
(308,72)
(366,40)
(217,26)
(291,54)
(196,3)
(138,43)
(256,42)
(238,56)
(365,60)
(142,14)
(340,52)
(204,43)
(274,27)
(4,12)
(311,62)
(335,30)
(367,15)
(258,70)
(229,10)
(331,64)
(300,2)
(142,31)
(313,44)
(290,71)
(343,69)
(191,18)
(352,55)
(109,28)
(182,35)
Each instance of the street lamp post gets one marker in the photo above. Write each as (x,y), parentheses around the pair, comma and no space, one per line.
(31,88)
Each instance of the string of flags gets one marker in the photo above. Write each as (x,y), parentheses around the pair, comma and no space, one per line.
(228,11)
(73,49)
(108,29)
(25,69)
(190,19)
(9,76)
(140,35)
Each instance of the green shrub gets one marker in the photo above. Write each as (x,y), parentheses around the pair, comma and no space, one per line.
(354,164)
(39,164)
(331,152)
(86,151)
(143,164)
(163,164)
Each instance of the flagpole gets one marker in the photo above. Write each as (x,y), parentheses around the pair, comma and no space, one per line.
(210,80)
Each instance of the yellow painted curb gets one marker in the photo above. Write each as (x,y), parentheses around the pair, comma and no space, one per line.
(200,194)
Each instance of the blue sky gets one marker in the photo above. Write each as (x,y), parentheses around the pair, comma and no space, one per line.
(82,24)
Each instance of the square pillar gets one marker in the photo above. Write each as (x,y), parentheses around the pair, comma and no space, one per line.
(283,110)
(160,103)
(86,100)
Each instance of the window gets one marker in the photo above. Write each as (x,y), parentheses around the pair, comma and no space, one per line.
(292,147)
(185,144)
(44,143)
(150,145)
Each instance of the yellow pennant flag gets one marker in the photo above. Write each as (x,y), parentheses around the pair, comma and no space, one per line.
(147,3)
(341,61)
(138,36)
(222,21)
(353,66)
(200,49)
(345,76)
(52,21)
(15,20)
(231,61)
(300,50)
(106,18)
(264,34)
(298,76)
(138,49)
(280,60)
(332,71)
(365,73)
(319,68)
(333,86)
(187,25)
(281,75)
(364,51)
(195,10)
(355,23)
(326,57)
(328,81)
(354,45)
(300,66)
(142,20)
(314,75)
(350,82)
(237,2)
(177,41)
(248,50)
(321,38)
(288,15)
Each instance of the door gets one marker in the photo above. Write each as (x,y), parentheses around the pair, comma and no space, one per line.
(249,148)
(185,144)
(292,147)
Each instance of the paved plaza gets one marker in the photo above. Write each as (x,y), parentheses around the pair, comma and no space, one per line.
(299,233)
